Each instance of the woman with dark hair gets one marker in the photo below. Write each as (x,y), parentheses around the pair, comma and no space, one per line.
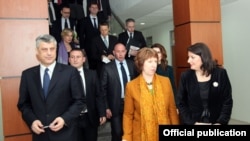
(149,100)
(163,68)
(204,94)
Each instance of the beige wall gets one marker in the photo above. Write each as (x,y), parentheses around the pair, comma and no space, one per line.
(21,21)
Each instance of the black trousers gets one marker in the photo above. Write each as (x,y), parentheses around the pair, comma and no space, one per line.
(116,124)
(86,131)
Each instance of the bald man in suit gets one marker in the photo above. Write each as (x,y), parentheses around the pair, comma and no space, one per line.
(113,86)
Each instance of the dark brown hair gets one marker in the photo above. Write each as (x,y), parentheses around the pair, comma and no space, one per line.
(164,61)
(201,49)
(79,49)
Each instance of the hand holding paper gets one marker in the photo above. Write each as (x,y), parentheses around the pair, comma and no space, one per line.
(133,50)
(105,59)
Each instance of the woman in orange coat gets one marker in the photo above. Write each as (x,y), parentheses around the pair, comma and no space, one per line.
(149,100)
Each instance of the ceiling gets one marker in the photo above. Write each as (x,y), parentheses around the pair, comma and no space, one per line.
(150,12)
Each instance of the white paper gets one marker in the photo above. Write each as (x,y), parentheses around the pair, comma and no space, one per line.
(105,59)
(132,48)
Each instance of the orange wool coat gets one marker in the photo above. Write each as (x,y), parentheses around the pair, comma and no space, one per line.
(144,110)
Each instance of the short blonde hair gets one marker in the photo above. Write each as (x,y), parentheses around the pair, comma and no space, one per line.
(66,31)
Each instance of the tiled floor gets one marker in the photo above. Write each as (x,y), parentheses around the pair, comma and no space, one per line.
(237,122)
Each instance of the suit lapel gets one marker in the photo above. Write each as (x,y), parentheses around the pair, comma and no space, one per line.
(38,81)
(115,70)
(55,76)
(103,46)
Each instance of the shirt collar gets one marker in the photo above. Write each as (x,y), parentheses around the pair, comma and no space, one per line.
(80,69)
(118,62)
(129,33)
(50,67)
(92,16)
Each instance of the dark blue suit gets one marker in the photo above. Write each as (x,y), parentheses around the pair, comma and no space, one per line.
(87,33)
(138,41)
(65,99)
(99,49)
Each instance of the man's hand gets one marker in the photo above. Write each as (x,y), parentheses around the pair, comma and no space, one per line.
(133,52)
(37,127)
(102,120)
(108,113)
(57,124)
(111,57)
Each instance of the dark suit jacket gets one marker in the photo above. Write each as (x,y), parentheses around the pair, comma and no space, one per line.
(87,33)
(94,97)
(65,99)
(57,28)
(138,40)
(106,10)
(168,72)
(99,49)
(76,9)
(111,85)
(220,101)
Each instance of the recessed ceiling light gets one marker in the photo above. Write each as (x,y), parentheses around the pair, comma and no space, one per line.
(142,23)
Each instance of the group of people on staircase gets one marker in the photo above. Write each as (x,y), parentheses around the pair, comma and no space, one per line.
(83,82)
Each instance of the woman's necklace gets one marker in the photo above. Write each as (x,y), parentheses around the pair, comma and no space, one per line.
(150,87)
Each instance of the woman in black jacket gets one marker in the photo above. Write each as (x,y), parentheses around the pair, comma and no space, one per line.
(204,94)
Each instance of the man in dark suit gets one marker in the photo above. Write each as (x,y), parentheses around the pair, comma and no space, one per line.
(89,30)
(104,10)
(132,37)
(85,6)
(112,84)
(103,46)
(64,22)
(51,95)
(94,115)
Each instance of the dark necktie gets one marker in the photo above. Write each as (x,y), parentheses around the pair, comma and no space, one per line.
(66,24)
(46,81)
(124,75)
(95,25)
(130,36)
